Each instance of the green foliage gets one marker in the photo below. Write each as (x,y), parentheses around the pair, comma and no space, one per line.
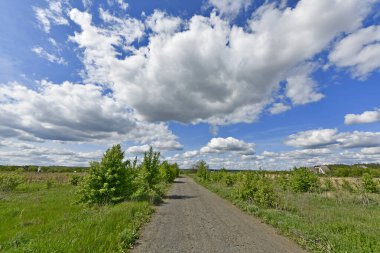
(168,172)
(356,170)
(9,181)
(256,188)
(108,181)
(328,185)
(228,179)
(202,170)
(282,181)
(148,178)
(369,185)
(303,180)
(75,180)
(49,184)
(113,180)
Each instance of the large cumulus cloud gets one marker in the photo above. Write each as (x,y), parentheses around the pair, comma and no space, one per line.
(206,69)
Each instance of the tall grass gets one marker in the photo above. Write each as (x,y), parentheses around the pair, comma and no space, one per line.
(36,219)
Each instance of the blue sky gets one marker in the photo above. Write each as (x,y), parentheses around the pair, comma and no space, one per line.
(241,84)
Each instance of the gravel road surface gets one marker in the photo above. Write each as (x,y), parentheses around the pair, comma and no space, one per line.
(193,219)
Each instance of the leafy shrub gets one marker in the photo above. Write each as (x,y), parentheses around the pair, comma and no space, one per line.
(369,185)
(202,170)
(9,181)
(168,172)
(283,182)
(108,181)
(146,182)
(255,188)
(265,195)
(303,180)
(75,180)
(228,180)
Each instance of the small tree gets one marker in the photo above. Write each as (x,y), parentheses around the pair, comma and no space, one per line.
(303,180)
(368,183)
(168,172)
(108,181)
(148,177)
(9,182)
(202,169)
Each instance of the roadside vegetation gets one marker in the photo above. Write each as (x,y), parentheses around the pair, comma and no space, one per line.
(355,170)
(321,213)
(98,210)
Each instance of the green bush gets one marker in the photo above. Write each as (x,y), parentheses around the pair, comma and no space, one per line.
(303,180)
(148,178)
(369,185)
(108,181)
(202,170)
(75,180)
(283,182)
(9,181)
(255,188)
(228,179)
(168,172)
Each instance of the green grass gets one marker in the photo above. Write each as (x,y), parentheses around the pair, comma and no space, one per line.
(36,219)
(320,222)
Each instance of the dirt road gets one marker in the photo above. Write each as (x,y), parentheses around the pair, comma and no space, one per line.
(193,219)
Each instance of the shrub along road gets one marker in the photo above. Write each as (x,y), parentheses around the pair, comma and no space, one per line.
(193,219)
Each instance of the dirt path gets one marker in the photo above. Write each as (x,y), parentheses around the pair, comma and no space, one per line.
(193,219)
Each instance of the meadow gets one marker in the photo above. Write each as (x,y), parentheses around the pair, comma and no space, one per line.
(320,213)
(42,215)
(100,210)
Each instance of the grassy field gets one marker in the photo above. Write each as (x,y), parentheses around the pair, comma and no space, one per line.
(41,215)
(335,220)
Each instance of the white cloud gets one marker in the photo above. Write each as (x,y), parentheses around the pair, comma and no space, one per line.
(249,157)
(365,117)
(359,139)
(160,22)
(50,57)
(167,144)
(327,137)
(313,138)
(75,112)
(229,144)
(301,90)
(123,5)
(370,151)
(278,108)
(204,73)
(19,153)
(54,14)
(138,150)
(230,8)
(359,51)
(191,154)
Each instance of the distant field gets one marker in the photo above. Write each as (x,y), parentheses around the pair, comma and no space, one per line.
(336,216)
(41,215)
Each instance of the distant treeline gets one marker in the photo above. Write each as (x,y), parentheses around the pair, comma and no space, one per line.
(355,170)
(336,170)
(34,168)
